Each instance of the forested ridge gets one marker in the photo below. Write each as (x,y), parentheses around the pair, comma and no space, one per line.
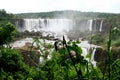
(67,14)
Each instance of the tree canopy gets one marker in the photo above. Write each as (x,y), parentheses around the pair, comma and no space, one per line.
(7,31)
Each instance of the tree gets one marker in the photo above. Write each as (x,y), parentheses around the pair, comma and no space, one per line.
(7,32)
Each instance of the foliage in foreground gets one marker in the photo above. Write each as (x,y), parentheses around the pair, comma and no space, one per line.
(7,31)
(13,68)
(65,64)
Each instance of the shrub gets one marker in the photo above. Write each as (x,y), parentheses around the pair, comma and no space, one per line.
(12,66)
(7,31)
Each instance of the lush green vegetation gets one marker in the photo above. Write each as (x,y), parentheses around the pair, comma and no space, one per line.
(67,14)
(5,17)
(101,38)
(7,31)
(66,63)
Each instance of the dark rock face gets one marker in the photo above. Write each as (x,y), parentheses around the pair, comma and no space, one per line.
(30,54)
(29,57)
(19,24)
(96,25)
(102,54)
(106,26)
(81,25)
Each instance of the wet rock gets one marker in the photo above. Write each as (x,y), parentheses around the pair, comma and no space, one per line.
(30,54)
(100,55)
(31,58)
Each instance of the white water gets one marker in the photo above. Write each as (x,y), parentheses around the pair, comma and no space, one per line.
(85,46)
(92,57)
(59,27)
(33,24)
(90,27)
(101,26)
(21,43)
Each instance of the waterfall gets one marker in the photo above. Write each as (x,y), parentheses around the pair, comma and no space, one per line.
(86,47)
(90,25)
(34,24)
(60,26)
(92,57)
(101,26)
(54,25)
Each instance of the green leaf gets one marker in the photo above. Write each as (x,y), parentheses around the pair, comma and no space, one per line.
(62,51)
(88,55)
(77,42)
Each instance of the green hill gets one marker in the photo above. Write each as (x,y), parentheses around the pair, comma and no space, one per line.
(67,14)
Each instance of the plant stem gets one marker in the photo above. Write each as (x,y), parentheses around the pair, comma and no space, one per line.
(109,53)
(64,42)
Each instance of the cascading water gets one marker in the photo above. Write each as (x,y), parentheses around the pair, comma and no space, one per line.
(81,25)
(92,57)
(57,25)
(90,25)
(86,49)
(101,24)
(50,25)
(34,24)
(85,46)
(61,26)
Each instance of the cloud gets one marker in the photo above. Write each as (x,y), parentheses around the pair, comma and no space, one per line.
(19,6)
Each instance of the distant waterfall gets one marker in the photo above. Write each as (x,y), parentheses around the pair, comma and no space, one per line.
(87,49)
(92,57)
(52,25)
(101,24)
(90,24)
(60,25)
(34,24)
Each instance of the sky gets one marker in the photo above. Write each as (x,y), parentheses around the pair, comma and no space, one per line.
(24,6)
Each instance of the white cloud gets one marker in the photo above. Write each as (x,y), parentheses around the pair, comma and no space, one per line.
(19,6)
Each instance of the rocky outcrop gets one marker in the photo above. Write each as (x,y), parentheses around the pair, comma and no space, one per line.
(101,54)
(30,54)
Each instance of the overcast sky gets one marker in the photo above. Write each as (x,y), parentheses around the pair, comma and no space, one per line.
(23,6)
